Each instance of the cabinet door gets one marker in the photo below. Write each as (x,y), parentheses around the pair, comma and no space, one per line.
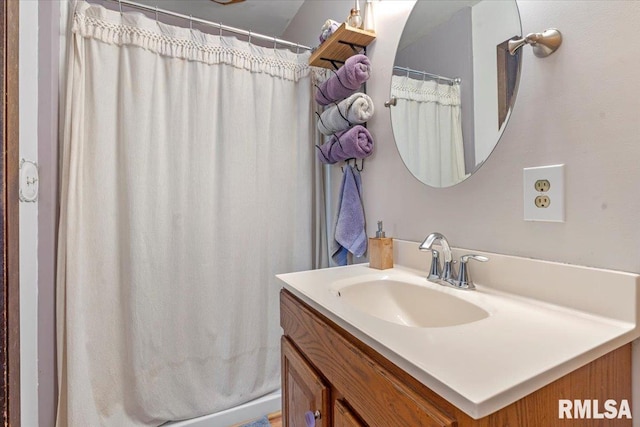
(343,417)
(304,391)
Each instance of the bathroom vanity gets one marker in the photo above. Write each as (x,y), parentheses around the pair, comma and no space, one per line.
(351,366)
(326,369)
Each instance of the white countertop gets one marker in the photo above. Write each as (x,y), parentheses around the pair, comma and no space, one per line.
(525,343)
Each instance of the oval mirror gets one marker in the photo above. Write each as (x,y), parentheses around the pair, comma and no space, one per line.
(454,84)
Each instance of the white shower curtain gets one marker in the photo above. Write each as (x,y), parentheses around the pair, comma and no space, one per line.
(187,183)
(428,129)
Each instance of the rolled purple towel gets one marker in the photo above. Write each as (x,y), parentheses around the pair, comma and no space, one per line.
(355,142)
(345,81)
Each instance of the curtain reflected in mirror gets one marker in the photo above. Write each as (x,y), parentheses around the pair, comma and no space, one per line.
(427,125)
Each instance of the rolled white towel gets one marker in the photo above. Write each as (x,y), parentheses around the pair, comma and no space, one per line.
(354,110)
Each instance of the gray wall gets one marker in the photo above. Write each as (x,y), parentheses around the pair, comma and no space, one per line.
(447,51)
(28,113)
(580,106)
(48,62)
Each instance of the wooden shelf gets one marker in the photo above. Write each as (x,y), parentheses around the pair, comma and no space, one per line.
(342,44)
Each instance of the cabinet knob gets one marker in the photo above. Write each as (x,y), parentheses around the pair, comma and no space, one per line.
(311,417)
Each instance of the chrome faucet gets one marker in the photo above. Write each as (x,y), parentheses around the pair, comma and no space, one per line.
(448,275)
(447,270)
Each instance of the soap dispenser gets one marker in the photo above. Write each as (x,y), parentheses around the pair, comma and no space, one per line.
(380,250)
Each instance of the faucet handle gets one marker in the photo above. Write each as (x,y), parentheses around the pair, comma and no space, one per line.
(465,258)
(464,278)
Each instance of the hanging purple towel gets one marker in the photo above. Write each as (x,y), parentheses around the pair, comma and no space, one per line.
(355,142)
(345,81)
(349,234)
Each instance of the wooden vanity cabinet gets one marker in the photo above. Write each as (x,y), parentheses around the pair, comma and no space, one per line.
(326,368)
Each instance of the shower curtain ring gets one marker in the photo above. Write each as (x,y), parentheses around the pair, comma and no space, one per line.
(120,5)
(275,44)
(249,36)
(220,24)
(298,48)
(191,22)
(156,13)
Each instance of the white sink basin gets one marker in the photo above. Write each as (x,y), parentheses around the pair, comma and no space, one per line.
(409,304)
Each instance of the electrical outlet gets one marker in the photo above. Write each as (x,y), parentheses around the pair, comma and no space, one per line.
(544,193)
(542,201)
(542,185)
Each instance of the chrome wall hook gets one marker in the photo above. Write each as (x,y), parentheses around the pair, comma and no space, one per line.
(543,44)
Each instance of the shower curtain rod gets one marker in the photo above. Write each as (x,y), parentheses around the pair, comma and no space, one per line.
(222,27)
(453,81)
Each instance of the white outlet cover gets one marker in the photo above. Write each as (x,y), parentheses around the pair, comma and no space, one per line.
(555,175)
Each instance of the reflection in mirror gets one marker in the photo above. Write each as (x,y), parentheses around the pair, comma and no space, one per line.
(454,84)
